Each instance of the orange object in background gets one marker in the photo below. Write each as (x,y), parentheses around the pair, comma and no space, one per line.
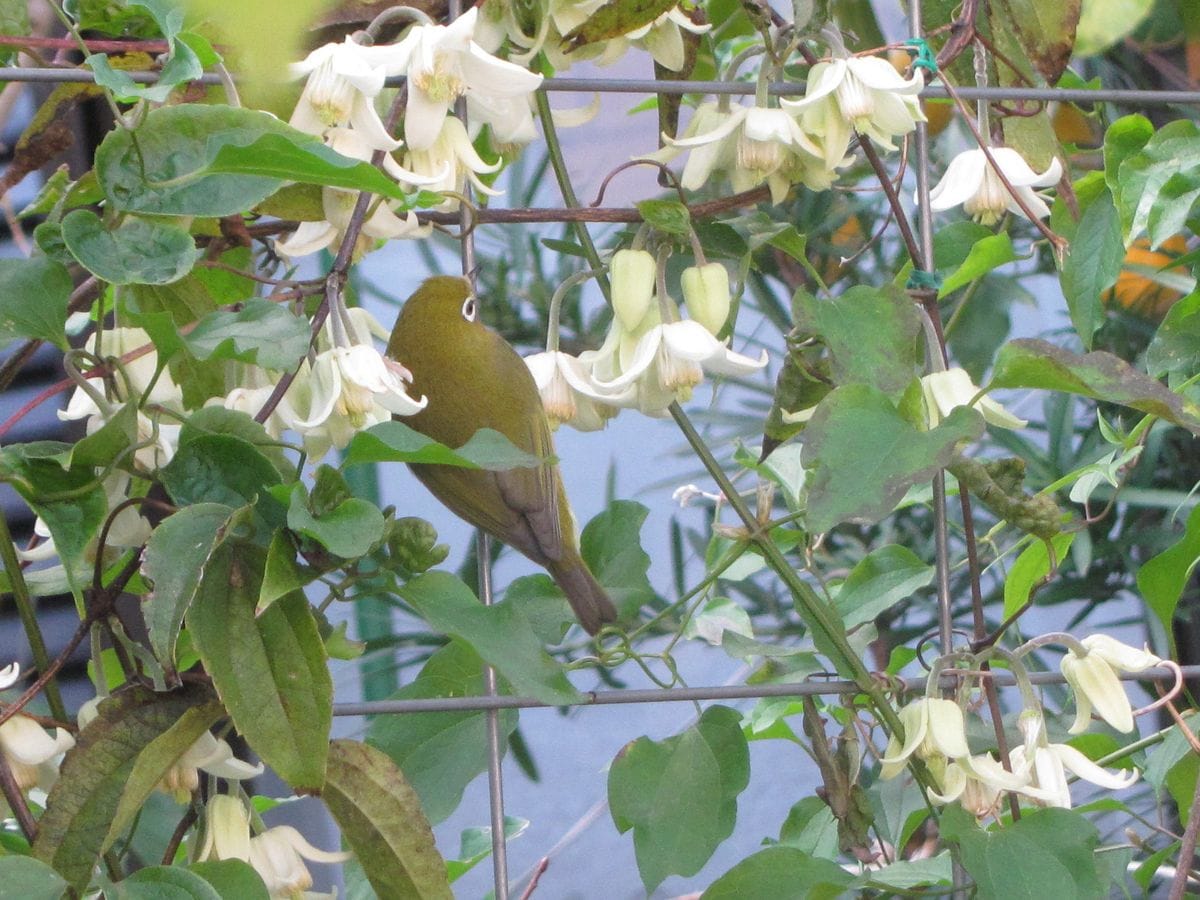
(1139,294)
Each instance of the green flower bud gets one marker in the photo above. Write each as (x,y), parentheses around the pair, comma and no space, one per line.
(633,274)
(706,295)
(413,543)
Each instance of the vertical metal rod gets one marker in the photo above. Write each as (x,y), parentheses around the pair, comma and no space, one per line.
(483,557)
(937,360)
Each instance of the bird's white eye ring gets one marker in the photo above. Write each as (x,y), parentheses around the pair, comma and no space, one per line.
(468,308)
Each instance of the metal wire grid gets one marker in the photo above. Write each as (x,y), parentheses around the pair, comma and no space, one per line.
(492,702)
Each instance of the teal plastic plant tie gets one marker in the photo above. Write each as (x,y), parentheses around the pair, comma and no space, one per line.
(920,280)
(923,57)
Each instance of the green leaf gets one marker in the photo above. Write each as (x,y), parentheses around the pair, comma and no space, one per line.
(1163,578)
(1158,184)
(441,752)
(213,420)
(668,216)
(883,578)
(115,764)
(781,873)
(29,879)
(381,820)
(1124,138)
(166,883)
(987,253)
(811,826)
(906,874)
(475,846)
(1046,32)
(1163,758)
(282,574)
(182,64)
(269,670)
(1049,853)
(177,555)
(1175,349)
(138,251)
(102,447)
(349,530)
(197,160)
(612,20)
(71,502)
(14,20)
(218,468)
(501,634)
(261,332)
(863,455)
(1030,568)
(396,442)
(1092,266)
(680,795)
(232,878)
(611,545)
(871,334)
(33,300)
(1030,363)
(1104,22)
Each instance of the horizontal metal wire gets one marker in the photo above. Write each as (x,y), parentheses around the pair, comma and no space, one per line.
(693,694)
(651,86)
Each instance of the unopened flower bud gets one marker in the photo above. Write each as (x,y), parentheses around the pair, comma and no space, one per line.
(413,543)
(706,295)
(633,274)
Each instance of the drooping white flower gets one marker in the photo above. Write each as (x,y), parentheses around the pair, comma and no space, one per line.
(278,855)
(977,782)
(10,675)
(443,63)
(31,753)
(569,392)
(750,144)
(1048,765)
(632,274)
(858,93)
(344,80)
(946,390)
(1093,676)
(226,830)
(360,385)
(934,729)
(450,163)
(670,360)
(972,182)
(381,223)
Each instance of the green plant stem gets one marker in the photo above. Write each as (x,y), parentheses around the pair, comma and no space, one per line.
(559,164)
(25,609)
(826,628)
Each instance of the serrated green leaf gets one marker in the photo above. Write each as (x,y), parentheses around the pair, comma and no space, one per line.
(33,300)
(680,795)
(111,771)
(863,456)
(1031,363)
(261,332)
(269,670)
(500,634)
(381,820)
(218,468)
(441,752)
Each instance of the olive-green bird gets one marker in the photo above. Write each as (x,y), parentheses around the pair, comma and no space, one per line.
(474,380)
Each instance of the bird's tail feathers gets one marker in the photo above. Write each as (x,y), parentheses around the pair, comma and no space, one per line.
(587,598)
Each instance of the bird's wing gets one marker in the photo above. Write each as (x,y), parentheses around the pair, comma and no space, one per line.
(533,492)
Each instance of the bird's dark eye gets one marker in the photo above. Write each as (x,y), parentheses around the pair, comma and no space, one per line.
(468,309)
